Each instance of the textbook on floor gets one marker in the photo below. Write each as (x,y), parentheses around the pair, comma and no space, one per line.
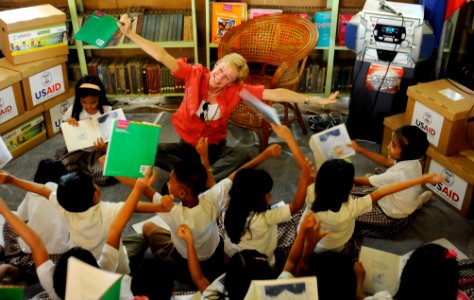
(132,148)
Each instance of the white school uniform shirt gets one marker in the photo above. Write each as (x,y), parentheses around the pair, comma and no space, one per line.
(340,224)
(201,219)
(45,220)
(89,229)
(262,233)
(400,204)
(84,114)
(108,260)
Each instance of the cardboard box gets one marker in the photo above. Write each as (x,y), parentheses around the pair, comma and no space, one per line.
(441,108)
(33,33)
(456,190)
(55,109)
(11,97)
(41,81)
(25,136)
(390,124)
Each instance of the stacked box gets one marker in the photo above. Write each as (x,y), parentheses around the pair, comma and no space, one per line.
(11,98)
(41,81)
(456,190)
(33,33)
(54,111)
(441,109)
(25,136)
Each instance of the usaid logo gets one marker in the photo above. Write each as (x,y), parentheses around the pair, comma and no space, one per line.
(427,117)
(448,177)
(46,78)
(63,107)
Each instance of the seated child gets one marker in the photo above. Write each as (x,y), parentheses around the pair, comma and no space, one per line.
(53,276)
(90,102)
(249,265)
(199,209)
(431,272)
(77,200)
(41,215)
(330,200)
(392,213)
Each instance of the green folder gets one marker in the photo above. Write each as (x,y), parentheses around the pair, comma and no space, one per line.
(132,148)
(12,292)
(98,29)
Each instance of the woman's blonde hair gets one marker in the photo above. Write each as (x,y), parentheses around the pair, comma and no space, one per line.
(239,63)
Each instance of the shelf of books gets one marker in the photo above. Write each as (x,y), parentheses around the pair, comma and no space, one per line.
(122,66)
(329,67)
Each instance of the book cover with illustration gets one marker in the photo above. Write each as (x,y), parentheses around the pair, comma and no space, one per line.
(89,130)
(331,144)
(226,15)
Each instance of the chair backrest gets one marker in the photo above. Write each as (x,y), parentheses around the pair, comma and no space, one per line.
(277,45)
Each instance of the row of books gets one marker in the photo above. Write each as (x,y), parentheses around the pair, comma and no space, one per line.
(226,15)
(155,25)
(138,75)
(313,79)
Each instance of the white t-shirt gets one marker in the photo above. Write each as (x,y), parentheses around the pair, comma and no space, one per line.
(107,261)
(262,233)
(382,295)
(89,229)
(401,204)
(44,218)
(84,114)
(340,224)
(201,219)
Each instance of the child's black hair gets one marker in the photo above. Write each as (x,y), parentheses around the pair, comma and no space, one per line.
(335,274)
(49,170)
(76,191)
(60,272)
(192,174)
(334,182)
(247,197)
(430,273)
(413,142)
(244,267)
(84,92)
(151,279)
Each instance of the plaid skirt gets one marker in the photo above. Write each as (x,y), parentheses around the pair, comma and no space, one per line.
(23,261)
(377,224)
(86,160)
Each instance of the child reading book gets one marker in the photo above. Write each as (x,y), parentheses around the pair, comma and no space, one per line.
(90,102)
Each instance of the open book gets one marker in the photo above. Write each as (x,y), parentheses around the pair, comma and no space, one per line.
(331,144)
(383,269)
(132,148)
(303,288)
(269,113)
(89,130)
(84,281)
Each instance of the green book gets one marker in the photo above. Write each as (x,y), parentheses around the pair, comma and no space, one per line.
(98,29)
(12,292)
(132,148)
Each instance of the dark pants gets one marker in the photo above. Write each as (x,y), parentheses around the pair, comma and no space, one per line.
(163,248)
(223,159)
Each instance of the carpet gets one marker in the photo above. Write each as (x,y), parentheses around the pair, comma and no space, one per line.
(436,220)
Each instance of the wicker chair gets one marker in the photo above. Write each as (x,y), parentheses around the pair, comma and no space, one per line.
(276,48)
